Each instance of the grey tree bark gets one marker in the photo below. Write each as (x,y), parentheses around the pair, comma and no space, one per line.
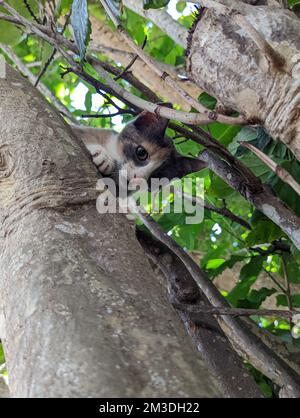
(82,312)
(228,64)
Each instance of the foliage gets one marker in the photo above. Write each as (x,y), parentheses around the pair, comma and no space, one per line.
(218,244)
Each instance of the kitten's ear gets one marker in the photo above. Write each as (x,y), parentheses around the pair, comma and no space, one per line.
(147,122)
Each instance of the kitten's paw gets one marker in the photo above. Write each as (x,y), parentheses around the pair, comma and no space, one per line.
(103,161)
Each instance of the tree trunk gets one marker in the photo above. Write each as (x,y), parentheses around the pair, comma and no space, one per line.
(225,61)
(83,314)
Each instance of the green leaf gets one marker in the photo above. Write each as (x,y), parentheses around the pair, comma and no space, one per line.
(263,230)
(80,25)
(155,4)
(218,269)
(214,263)
(180,6)
(219,188)
(257,297)
(9,34)
(187,235)
(293,3)
(285,192)
(281,300)
(62,7)
(293,269)
(246,134)
(2,358)
(248,276)
(208,101)
(256,166)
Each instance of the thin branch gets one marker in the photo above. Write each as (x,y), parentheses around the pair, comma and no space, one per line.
(274,58)
(131,62)
(45,67)
(28,7)
(50,59)
(275,281)
(257,194)
(211,115)
(162,19)
(212,344)
(287,283)
(139,103)
(221,211)
(248,344)
(128,76)
(283,174)
(57,40)
(110,115)
(236,311)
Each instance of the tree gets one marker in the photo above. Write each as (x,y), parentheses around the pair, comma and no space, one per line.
(251,211)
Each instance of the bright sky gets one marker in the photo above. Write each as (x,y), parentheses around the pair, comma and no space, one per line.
(190,7)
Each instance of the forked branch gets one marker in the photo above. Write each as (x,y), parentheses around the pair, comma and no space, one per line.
(246,343)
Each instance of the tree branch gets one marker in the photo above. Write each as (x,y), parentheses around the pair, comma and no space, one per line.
(233,172)
(237,311)
(283,174)
(209,340)
(274,58)
(221,211)
(54,38)
(247,344)
(162,20)
(261,197)
(211,115)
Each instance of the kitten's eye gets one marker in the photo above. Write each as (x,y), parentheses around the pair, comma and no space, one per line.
(141,153)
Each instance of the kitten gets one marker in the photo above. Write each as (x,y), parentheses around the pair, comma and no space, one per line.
(141,148)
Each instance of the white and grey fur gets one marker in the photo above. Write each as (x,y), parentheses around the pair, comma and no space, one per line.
(141,148)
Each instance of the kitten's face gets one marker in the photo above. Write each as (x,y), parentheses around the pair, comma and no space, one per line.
(142,147)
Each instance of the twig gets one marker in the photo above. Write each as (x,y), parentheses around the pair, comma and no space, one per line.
(110,115)
(45,67)
(236,311)
(28,7)
(283,174)
(287,283)
(257,194)
(274,58)
(131,62)
(50,59)
(275,281)
(211,115)
(57,40)
(129,77)
(248,344)
(222,211)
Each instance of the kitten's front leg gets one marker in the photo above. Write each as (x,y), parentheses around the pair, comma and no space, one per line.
(103,161)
